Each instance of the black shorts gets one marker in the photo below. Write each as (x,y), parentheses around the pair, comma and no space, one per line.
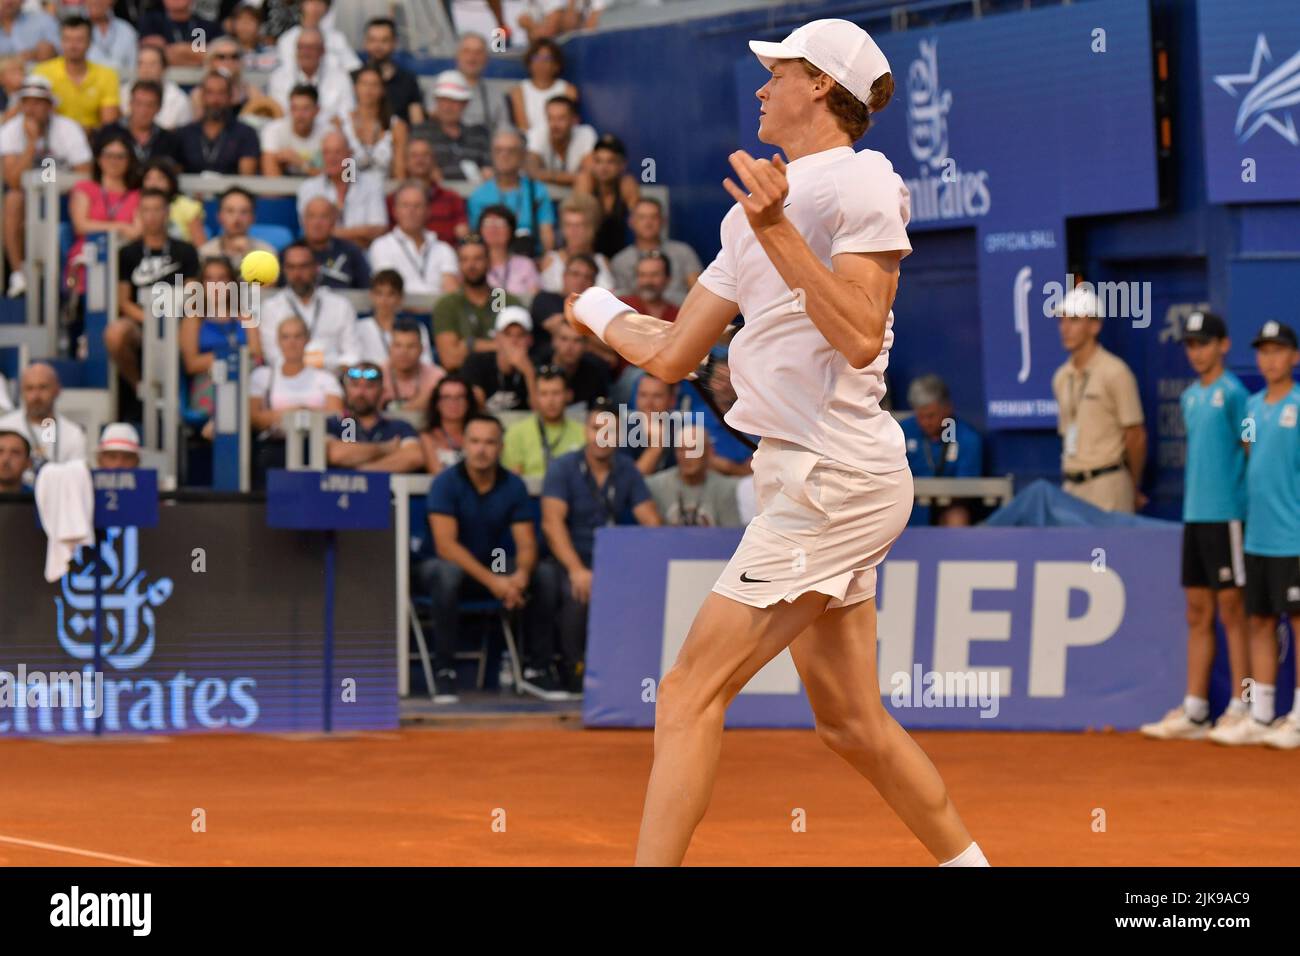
(1272,585)
(1212,555)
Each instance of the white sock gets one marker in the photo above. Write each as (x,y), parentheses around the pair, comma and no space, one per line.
(1196,708)
(1295,708)
(1261,707)
(1238,706)
(971,856)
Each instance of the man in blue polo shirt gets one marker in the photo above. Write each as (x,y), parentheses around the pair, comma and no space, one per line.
(1214,508)
(525,197)
(362,438)
(1272,534)
(939,446)
(483,531)
(582,491)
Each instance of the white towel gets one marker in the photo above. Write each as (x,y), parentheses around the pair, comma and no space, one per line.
(65,500)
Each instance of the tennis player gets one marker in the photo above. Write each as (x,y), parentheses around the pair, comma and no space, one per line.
(810,256)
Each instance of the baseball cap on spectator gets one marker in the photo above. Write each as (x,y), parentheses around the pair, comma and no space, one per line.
(1080,302)
(119,436)
(514,315)
(39,88)
(452,85)
(838,47)
(1204,326)
(1274,331)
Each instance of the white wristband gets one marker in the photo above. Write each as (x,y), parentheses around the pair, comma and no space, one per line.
(598,307)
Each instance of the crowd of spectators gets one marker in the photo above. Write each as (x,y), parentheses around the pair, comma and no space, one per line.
(398,195)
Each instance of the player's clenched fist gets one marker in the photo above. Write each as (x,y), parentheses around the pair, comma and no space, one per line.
(765,179)
(571,317)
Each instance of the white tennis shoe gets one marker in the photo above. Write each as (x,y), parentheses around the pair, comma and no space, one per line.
(1176,725)
(1285,735)
(1242,733)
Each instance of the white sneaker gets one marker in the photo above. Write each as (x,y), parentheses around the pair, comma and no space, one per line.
(1242,733)
(1176,725)
(17,283)
(1230,717)
(1285,735)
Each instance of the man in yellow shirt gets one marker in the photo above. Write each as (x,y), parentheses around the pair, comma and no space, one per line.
(88,92)
(533,442)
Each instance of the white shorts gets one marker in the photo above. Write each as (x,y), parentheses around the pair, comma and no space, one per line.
(821,526)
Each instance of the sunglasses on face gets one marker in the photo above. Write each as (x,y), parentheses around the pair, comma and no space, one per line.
(368,374)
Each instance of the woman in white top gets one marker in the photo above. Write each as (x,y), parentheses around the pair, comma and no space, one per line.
(292,384)
(377,137)
(815,277)
(544,63)
(151,64)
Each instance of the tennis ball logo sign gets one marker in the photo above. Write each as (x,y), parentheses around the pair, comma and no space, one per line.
(261,267)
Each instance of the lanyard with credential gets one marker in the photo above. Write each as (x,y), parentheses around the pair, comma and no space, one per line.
(315,315)
(1076,398)
(422,263)
(548,450)
(606,501)
(929,457)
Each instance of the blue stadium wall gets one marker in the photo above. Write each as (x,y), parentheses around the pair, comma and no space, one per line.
(671,93)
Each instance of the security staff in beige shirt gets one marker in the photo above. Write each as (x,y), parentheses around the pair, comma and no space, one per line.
(1104,440)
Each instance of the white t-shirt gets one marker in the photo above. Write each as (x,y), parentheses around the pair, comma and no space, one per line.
(790,382)
(363,203)
(331,326)
(375,341)
(421,269)
(551,275)
(65,441)
(333,88)
(279,134)
(307,389)
(176,109)
(582,140)
(65,141)
(339,54)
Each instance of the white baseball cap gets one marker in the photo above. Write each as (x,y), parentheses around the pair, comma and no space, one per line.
(119,436)
(452,85)
(514,315)
(838,47)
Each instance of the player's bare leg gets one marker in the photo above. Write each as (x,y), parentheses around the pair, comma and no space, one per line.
(728,643)
(836,659)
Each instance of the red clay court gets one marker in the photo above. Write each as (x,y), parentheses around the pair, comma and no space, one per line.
(426,797)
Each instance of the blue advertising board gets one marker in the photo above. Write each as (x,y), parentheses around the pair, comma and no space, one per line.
(1250,88)
(1027,629)
(1010,124)
(212,622)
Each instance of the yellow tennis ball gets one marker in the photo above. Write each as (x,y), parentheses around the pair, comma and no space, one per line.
(260,266)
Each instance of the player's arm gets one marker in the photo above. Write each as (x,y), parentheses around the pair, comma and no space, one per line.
(850,303)
(667,350)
